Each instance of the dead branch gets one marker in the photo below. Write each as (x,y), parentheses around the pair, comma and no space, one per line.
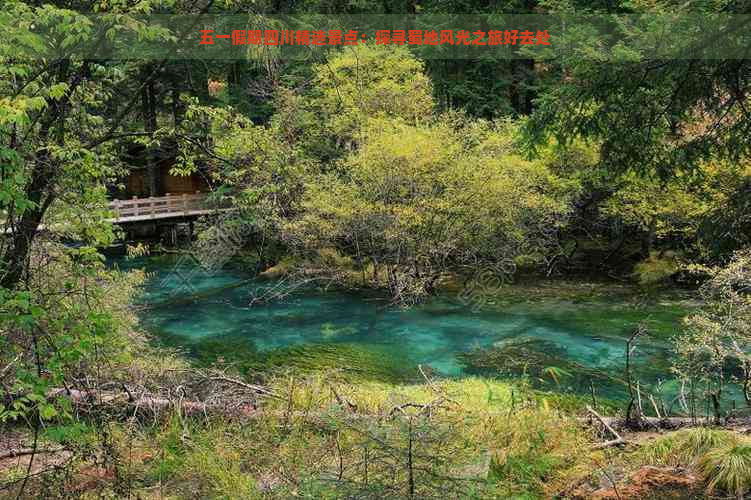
(343,402)
(424,409)
(614,442)
(252,387)
(435,387)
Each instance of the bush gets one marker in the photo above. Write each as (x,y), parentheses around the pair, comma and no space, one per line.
(723,458)
(656,269)
(728,468)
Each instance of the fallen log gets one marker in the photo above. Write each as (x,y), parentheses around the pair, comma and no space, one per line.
(156,403)
(668,423)
(21,452)
(665,423)
(151,404)
(148,403)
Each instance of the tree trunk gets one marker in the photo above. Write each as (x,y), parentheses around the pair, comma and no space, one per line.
(22,238)
(647,241)
(148,109)
(26,230)
(40,189)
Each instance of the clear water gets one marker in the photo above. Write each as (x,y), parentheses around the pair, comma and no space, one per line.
(209,314)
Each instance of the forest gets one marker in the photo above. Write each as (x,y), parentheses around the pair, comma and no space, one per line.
(375,270)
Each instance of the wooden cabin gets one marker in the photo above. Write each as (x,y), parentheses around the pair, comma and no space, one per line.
(137,184)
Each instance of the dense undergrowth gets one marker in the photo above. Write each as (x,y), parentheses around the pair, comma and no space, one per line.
(326,435)
(328,438)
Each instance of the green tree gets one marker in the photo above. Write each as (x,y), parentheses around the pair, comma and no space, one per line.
(650,110)
(413,203)
(62,118)
(353,86)
(58,119)
(714,351)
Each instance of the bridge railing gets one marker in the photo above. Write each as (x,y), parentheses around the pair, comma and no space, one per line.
(159,206)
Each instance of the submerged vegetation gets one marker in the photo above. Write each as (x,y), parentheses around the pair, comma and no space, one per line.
(367,171)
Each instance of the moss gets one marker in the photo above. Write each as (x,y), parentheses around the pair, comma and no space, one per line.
(532,288)
(361,362)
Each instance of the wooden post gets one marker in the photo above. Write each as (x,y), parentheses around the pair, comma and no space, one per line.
(116,208)
(135,206)
(185,204)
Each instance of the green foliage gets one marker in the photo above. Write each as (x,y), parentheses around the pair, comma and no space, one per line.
(529,470)
(722,457)
(360,84)
(50,337)
(725,229)
(650,110)
(223,474)
(309,444)
(358,176)
(713,351)
(260,172)
(656,269)
(61,313)
(686,446)
(411,199)
(666,209)
(76,434)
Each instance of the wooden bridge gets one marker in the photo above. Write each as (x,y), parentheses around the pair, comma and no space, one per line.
(171,206)
(161,207)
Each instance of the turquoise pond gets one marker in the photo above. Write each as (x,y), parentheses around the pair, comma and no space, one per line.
(580,329)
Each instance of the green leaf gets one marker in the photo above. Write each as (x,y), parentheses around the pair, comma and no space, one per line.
(47,411)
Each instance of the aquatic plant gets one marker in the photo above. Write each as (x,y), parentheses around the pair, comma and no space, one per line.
(542,362)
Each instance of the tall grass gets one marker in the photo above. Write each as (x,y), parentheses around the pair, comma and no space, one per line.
(486,439)
(722,457)
(728,468)
(684,447)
